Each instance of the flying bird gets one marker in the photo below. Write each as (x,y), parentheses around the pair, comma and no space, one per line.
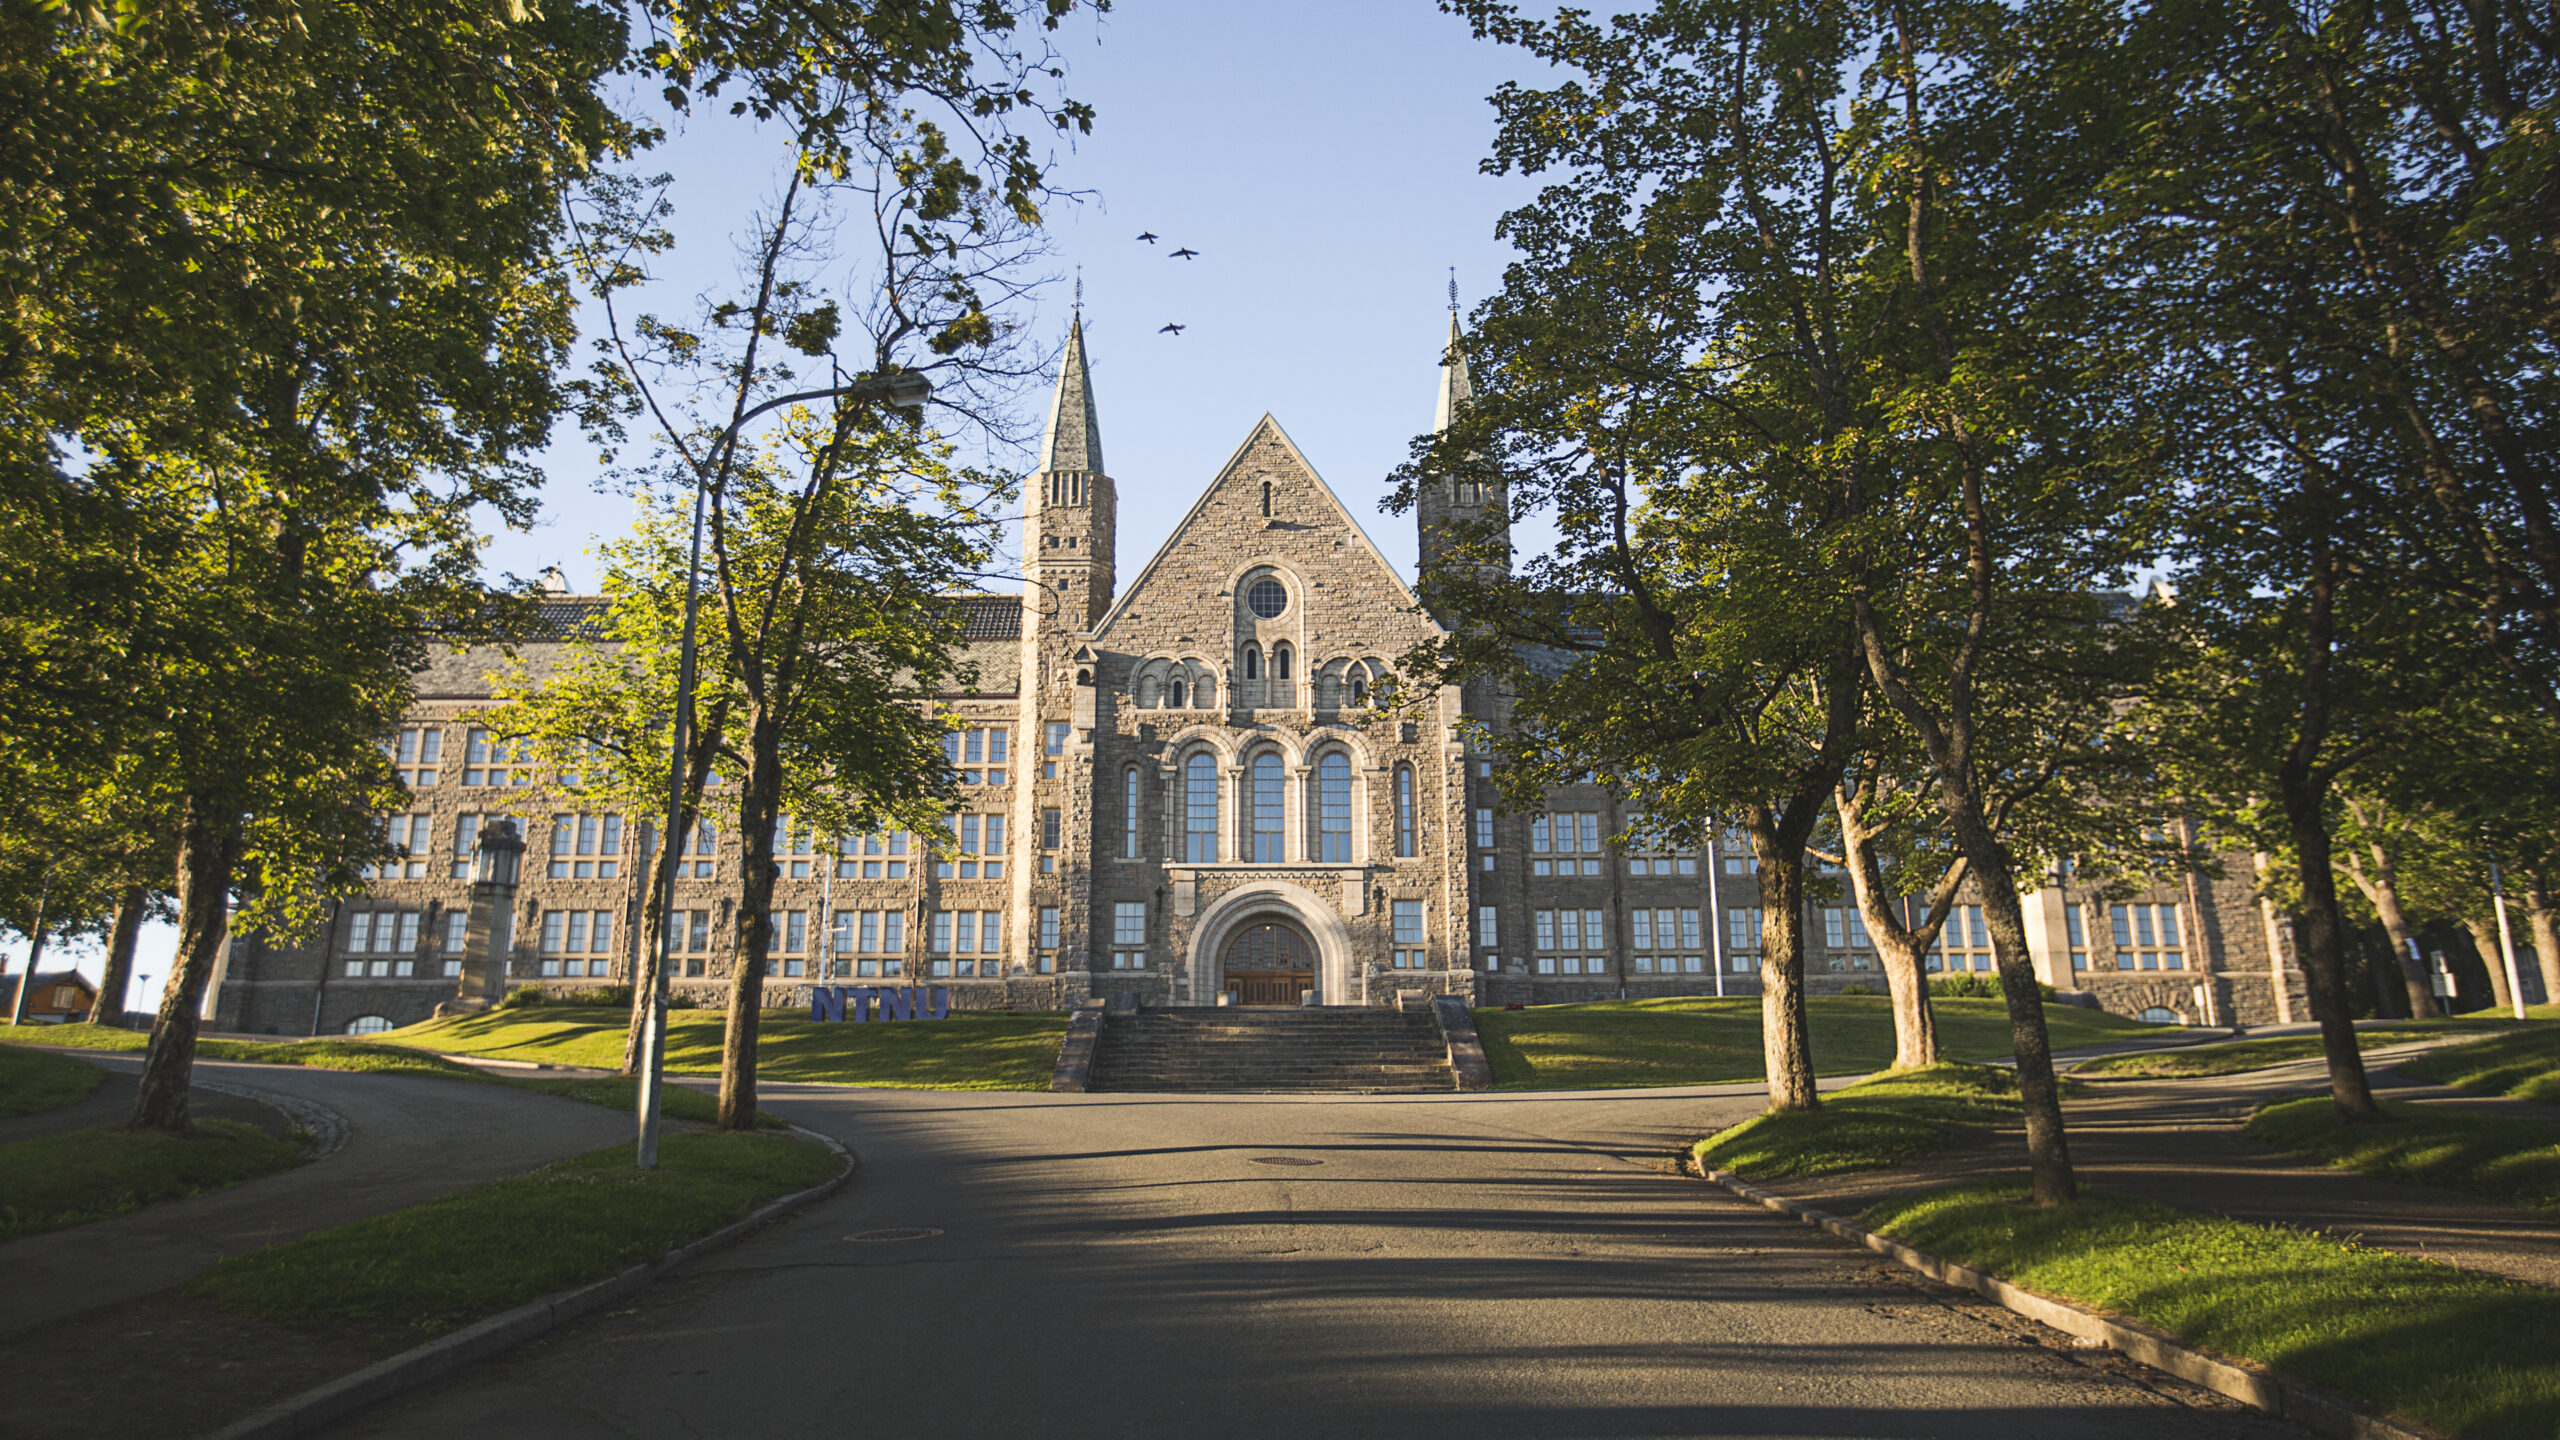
(1170,330)
(1147,235)
(1182,254)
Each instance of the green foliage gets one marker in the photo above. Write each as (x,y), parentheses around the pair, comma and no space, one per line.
(444,1264)
(1617,1043)
(2460,1353)
(1894,1119)
(525,997)
(34,1080)
(2513,1159)
(50,1181)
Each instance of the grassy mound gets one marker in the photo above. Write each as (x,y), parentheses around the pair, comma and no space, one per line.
(2496,1157)
(50,1181)
(1689,1041)
(1898,1117)
(2459,1352)
(32,1081)
(2238,1055)
(2524,1063)
(972,1050)
(444,1264)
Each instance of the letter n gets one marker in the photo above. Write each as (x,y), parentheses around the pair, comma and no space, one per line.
(897,1004)
(826,1002)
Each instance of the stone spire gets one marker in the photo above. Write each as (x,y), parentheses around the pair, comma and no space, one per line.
(1454,388)
(1073,442)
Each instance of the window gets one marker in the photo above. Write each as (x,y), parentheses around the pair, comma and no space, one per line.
(1570,931)
(1565,833)
(2075,926)
(978,754)
(1404,812)
(1269,810)
(368,1025)
(1252,662)
(1200,810)
(874,857)
(466,834)
(1333,809)
(1488,926)
(791,852)
(706,848)
(1484,827)
(1967,941)
(491,759)
(1267,598)
(1048,927)
(787,935)
(1407,932)
(457,931)
(1057,747)
(972,939)
(1266,497)
(869,935)
(1280,655)
(1129,813)
(2146,937)
(975,836)
(1173,696)
(416,752)
(577,942)
(1742,928)
(582,847)
(411,836)
(1129,922)
(1652,854)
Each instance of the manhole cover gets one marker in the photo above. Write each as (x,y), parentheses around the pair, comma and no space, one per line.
(900,1232)
(1283,1160)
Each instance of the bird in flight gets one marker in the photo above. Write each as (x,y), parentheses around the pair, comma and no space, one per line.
(1147,235)
(1182,254)
(1170,330)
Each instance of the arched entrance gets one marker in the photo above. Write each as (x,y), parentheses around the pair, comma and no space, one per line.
(1268,962)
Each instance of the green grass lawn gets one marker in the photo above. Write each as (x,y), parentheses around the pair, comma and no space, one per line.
(2463,1353)
(444,1264)
(2496,1157)
(972,1050)
(613,1093)
(50,1181)
(37,1080)
(1898,1117)
(2235,1056)
(2524,1063)
(1612,1043)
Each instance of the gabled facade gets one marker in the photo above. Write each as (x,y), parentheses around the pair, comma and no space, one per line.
(1187,792)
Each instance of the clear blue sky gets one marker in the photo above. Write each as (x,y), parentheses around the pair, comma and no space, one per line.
(1321,156)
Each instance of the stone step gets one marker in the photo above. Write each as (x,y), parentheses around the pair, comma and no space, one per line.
(1211,1049)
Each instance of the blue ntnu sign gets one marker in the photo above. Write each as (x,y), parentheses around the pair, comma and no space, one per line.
(854,1002)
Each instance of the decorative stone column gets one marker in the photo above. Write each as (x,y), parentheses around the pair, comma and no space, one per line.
(490,934)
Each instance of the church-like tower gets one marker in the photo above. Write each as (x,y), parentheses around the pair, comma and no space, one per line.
(1071,513)
(1446,508)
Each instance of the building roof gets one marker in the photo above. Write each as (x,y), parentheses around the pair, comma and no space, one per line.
(45,980)
(1455,389)
(568,617)
(1072,443)
(991,617)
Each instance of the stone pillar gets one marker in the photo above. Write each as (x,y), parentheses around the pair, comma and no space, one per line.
(490,934)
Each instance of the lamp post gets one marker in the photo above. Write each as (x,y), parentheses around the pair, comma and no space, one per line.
(906,390)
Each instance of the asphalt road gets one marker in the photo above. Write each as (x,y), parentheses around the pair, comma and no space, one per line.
(1129,1265)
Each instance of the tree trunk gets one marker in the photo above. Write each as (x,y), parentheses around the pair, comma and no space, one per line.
(2323,960)
(2544,921)
(1786,1039)
(2382,889)
(25,995)
(757,807)
(2484,938)
(109,1009)
(209,841)
(646,978)
(2048,1150)
(1898,949)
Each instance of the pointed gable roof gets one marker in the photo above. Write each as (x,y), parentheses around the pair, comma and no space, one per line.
(1455,389)
(1072,442)
(1267,441)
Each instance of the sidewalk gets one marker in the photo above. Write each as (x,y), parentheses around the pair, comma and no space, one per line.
(2179,1142)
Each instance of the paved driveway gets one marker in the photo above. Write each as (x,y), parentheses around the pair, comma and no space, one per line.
(1130,1265)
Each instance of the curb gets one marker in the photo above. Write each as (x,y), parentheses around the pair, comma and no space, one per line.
(314,1410)
(2315,1410)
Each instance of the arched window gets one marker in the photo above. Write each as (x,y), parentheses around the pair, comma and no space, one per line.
(1359,690)
(1333,809)
(1129,813)
(1404,811)
(1280,661)
(1200,810)
(1266,497)
(1173,696)
(1269,810)
(368,1025)
(1252,662)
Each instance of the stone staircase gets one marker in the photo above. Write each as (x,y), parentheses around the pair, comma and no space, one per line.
(1251,1048)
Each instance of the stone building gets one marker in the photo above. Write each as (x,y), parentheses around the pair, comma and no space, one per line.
(1182,791)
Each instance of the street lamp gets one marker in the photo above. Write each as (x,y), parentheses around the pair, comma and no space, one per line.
(906,390)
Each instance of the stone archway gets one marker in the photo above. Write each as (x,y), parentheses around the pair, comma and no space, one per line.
(1269,961)
(1271,901)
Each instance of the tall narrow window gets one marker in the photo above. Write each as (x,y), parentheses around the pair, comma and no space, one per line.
(1173,696)
(1200,810)
(1252,662)
(1268,810)
(1266,497)
(1333,809)
(1404,811)
(1280,661)
(1129,813)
